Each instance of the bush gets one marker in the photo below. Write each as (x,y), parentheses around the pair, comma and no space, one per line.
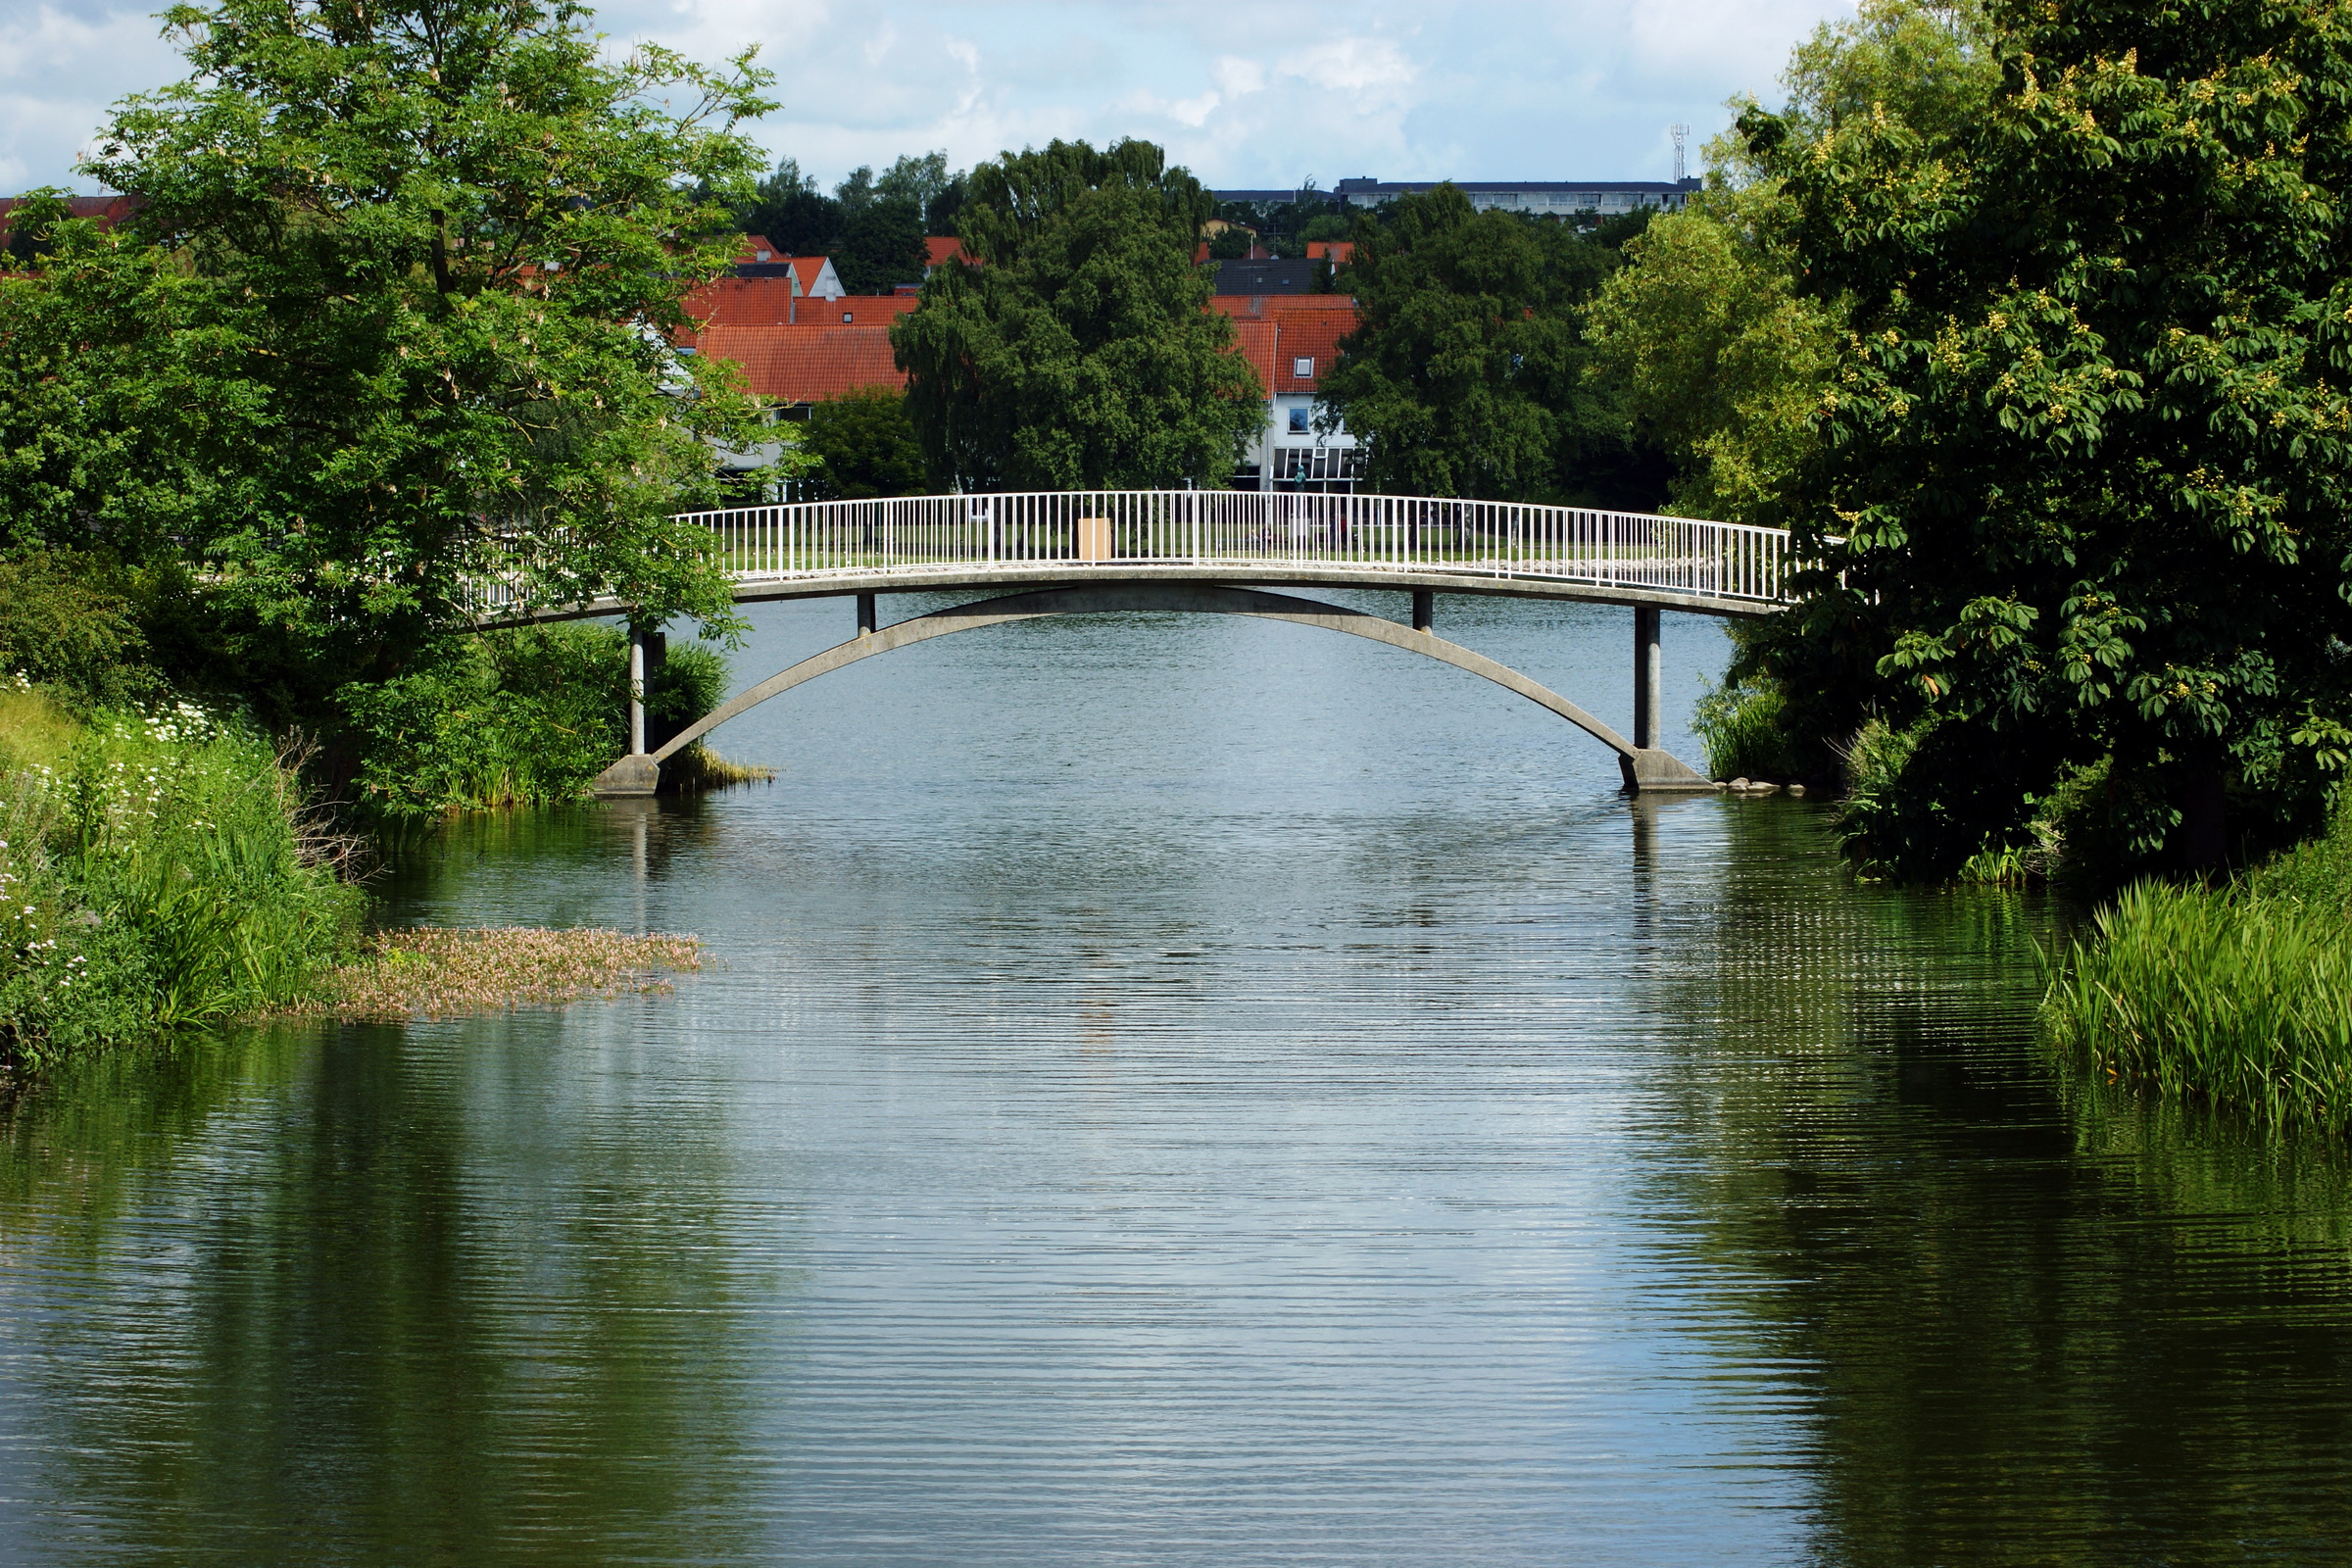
(168,869)
(1742,725)
(521,716)
(865,447)
(67,622)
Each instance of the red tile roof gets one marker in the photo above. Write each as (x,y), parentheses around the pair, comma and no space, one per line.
(942,249)
(1255,340)
(807,363)
(755,249)
(1277,330)
(107,209)
(743,302)
(1341,251)
(860,307)
(807,269)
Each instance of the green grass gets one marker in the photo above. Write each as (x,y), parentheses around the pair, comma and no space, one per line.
(163,869)
(2237,997)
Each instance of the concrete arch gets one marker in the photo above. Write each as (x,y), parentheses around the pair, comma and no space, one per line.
(1642,768)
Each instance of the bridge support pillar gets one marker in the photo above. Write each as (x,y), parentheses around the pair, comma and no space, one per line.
(1652,766)
(865,614)
(636,773)
(1649,678)
(1425,609)
(636,691)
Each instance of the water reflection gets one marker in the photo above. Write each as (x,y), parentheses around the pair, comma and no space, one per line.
(318,1288)
(2035,1319)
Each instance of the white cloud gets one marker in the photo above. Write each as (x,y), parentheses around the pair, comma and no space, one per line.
(61,70)
(1373,70)
(1237,78)
(1494,89)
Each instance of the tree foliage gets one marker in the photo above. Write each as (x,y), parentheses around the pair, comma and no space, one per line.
(872,226)
(1719,355)
(1463,376)
(2082,490)
(865,447)
(395,305)
(1076,349)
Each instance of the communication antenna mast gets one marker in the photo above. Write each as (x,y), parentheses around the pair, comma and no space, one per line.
(1681,134)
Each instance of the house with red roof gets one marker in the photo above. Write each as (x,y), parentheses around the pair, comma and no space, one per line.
(797,351)
(1292,340)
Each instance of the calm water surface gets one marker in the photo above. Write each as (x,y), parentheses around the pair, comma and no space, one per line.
(1176,1092)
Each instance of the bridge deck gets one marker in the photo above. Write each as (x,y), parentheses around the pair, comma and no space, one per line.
(917,543)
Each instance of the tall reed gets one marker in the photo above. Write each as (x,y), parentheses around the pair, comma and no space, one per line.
(2228,997)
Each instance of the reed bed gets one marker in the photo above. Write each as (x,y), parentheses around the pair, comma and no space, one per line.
(2232,997)
(428,972)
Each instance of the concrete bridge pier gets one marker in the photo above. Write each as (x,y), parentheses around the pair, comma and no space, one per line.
(1652,767)
(636,773)
(1649,678)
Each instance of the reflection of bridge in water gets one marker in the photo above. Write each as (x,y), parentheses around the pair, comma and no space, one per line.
(1217,552)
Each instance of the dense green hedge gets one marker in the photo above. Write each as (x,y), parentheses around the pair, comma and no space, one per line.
(512,717)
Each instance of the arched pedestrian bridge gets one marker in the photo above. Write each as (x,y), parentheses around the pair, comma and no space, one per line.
(1218,552)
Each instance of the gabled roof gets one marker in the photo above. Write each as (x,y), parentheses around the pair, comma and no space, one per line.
(940,249)
(755,247)
(1338,251)
(1276,330)
(807,363)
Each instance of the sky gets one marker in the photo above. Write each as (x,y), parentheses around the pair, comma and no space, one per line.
(1263,94)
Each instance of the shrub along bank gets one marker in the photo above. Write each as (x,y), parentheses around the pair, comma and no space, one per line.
(522,717)
(158,869)
(2238,997)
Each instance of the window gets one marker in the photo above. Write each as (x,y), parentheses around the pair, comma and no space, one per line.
(848,316)
(1299,422)
(1304,368)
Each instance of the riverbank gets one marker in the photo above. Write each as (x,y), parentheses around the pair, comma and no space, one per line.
(2239,996)
(158,868)
(168,867)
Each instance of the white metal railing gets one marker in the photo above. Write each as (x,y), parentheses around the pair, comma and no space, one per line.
(918,536)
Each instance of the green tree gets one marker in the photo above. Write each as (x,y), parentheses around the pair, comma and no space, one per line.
(796,217)
(404,275)
(881,244)
(1719,356)
(865,447)
(1230,244)
(2081,499)
(922,180)
(1078,351)
(1462,376)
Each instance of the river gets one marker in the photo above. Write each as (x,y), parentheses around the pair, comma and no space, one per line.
(1179,1091)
